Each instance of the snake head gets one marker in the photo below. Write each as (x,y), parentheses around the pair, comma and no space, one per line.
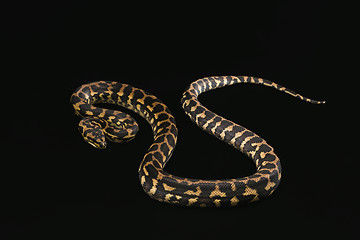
(92,131)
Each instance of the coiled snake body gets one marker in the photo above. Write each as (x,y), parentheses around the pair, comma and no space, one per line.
(98,123)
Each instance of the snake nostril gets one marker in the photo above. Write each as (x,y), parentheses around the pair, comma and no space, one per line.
(102,145)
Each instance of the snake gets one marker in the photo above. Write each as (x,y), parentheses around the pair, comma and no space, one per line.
(98,124)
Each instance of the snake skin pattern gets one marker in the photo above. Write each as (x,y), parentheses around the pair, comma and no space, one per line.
(98,124)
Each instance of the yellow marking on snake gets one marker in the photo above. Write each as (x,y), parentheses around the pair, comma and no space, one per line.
(168,188)
(217,192)
(197,193)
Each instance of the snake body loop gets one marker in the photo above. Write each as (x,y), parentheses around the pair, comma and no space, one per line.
(98,123)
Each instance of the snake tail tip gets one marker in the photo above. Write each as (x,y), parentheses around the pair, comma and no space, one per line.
(317,101)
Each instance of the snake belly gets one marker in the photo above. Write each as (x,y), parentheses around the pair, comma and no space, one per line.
(165,187)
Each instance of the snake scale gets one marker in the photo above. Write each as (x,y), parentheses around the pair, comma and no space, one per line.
(99,123)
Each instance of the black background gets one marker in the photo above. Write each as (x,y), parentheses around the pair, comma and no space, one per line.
(54,185)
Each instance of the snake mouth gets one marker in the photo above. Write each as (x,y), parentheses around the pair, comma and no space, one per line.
(98,145)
